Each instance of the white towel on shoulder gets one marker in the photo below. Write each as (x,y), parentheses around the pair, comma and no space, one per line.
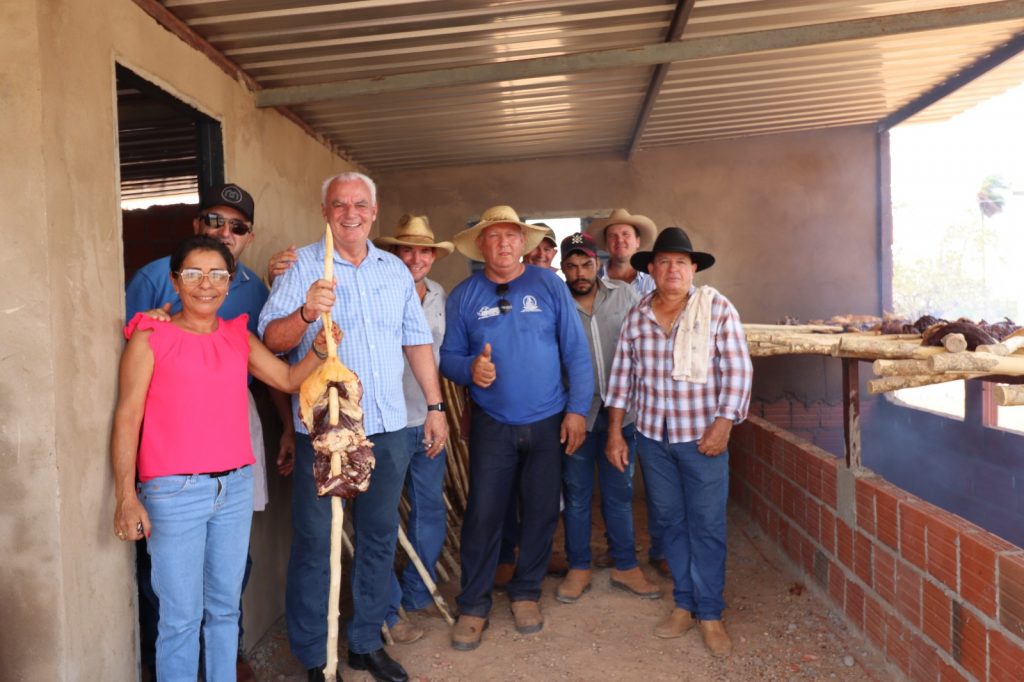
(691,348)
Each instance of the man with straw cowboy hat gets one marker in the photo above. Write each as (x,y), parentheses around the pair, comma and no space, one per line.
(414,243)
(682,362)
(621,235)
(512,334)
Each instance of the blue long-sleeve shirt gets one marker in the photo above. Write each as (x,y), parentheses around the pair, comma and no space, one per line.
(531,345)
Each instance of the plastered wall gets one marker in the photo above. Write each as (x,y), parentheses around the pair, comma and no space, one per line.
(791,219)
(66,584)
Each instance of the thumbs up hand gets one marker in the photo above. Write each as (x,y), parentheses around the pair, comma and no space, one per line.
(483,368)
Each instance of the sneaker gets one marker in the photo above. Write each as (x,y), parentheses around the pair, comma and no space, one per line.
(576,583)
(404,632)
(635,582)
(527,617)
(467,631)
(675,624)
(503,575)
(716,639)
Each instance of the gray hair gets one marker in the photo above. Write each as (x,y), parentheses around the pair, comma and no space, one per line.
(349,176)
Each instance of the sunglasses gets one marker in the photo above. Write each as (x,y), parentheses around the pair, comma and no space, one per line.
(193,276)
(216,221)
(504,306)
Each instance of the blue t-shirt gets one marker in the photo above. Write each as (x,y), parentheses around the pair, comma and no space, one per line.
(150,287)
(531,345)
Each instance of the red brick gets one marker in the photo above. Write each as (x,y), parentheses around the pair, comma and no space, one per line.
(865,492)
(812,519)
(948,673)
(978,571)
(874,621)
(897,644)
(844,543)
(792,502)
(969,641)
(779,413)
(828,530)
(908,594)
(942,551)
(828,482)
(912,533)
(1011,593)
(796,459)
(814,470)
(887,510)
(862,550)
(855,604)
(1005,658)
(924,660)
(937,616)
(836,584)
(804,416)
(885,574)
(777,454)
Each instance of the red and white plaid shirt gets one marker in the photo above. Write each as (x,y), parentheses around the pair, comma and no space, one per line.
(641,375)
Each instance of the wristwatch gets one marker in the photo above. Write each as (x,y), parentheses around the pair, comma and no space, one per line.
(436,407)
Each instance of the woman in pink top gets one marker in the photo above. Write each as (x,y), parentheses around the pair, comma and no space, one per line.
(184,480)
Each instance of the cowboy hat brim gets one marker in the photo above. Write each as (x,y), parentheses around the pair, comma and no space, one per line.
(641,259)
(645,228)
(465,241)
(441,249)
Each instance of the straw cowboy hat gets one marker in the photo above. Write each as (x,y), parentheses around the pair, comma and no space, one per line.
(645,227)
(465,241)
(671,240)
(549,234)
(414,230)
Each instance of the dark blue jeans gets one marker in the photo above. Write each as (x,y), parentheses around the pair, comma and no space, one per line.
(616,499)
(497,452)
(376,532)
(688,492)
(426,527)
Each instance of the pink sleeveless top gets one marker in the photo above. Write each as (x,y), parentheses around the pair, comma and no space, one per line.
(197,410)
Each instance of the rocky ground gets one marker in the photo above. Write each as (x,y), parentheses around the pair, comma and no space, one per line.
(781,630)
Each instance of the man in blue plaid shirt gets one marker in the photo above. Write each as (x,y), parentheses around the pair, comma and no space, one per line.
(374,301)
(682,363)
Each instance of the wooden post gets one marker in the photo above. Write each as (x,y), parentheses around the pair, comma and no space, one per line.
(851,412)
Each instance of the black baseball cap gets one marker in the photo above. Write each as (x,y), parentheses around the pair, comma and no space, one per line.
(229,195)
(580,241)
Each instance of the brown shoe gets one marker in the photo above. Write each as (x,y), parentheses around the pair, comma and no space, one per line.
(404,632)
(467,631)
(675,624)
(716,639)
(558,565)
(503,575)
(527,617)
(636,582)
(576,583)
(661,566)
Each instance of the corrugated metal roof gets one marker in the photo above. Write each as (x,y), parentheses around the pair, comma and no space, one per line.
(306,42)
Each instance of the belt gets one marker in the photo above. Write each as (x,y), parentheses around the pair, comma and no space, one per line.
(213,474)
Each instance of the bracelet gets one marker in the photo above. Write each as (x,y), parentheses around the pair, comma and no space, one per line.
(322,356)
(301,308)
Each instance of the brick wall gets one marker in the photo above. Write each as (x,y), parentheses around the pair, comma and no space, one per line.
(817,421)
(939,597)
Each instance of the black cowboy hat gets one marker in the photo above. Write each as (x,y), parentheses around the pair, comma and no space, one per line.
(671,240)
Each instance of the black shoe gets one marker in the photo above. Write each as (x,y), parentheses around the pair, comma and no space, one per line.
(379,664)
(317,675)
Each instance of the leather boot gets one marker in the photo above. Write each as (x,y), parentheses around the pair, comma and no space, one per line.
(636,582)
(716,639)
(675,624)
(576,583)
(467,631)
(527,617)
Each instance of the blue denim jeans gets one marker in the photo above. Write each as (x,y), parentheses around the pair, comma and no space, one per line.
(198,546)
(498,453)
(426,526)
(375,519)
(688,492)
(616,499)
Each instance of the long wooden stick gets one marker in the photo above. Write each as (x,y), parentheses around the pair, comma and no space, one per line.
(1007,395)
(424,575)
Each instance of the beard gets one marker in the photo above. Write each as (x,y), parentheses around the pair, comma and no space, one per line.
(581,287)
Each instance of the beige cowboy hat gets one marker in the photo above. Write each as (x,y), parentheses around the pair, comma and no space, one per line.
(465,241)
(414,230)
(645,228)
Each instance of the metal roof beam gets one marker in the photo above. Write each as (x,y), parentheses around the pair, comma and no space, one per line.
(649,55)
(979,68)
(675,32)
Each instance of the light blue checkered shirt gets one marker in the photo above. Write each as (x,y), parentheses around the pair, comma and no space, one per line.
(378,311)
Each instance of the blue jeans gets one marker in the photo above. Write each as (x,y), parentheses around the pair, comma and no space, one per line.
(198,546)
(426,526)
(376,532)
(499,452)
(688,492)
(616,499)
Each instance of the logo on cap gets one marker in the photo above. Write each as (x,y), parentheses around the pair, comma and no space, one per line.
(231,194)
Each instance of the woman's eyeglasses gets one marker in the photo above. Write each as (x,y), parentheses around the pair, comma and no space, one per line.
(216,221)
(193,276)
(504,306)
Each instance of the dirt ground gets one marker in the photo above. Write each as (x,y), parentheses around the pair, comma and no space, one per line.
(780,629)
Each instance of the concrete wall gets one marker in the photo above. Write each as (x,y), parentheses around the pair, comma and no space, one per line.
(791,219)
(67,585)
